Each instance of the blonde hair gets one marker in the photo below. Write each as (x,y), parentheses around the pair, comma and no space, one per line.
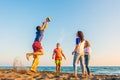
(87,43)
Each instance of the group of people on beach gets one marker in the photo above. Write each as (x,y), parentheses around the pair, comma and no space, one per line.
(81,52)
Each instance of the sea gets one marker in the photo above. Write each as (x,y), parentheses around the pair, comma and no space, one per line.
(96,70)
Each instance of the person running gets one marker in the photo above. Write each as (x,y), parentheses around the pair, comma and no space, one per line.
(37,47)
(57,55)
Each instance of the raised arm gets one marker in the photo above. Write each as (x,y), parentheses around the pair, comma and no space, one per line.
(44,26)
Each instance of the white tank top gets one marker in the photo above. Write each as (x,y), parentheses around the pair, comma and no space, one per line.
(81,48)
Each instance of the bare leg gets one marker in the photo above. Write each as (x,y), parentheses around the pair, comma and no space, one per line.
(57,69)
(28,55)
(75,73)
(41,52)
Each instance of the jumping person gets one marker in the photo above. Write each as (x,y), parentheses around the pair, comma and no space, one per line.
(37,47)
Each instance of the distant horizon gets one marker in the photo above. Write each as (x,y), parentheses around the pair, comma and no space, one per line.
(62,66)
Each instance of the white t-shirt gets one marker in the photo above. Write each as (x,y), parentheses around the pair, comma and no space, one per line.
(87,50)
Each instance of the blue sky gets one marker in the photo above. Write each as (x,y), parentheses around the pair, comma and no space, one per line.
(98,19)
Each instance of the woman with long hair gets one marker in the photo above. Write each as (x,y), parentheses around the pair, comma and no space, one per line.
(79,53)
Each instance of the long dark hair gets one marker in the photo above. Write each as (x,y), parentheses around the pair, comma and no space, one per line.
(80,35)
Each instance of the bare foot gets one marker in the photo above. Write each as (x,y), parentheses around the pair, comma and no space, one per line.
(83,75)
(90,75)
(27,56)
(75,75)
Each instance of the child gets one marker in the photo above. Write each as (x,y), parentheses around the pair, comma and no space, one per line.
(87,51)
(37,47)
(58,53)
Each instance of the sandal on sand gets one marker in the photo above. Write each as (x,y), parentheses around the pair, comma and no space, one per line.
(27,56)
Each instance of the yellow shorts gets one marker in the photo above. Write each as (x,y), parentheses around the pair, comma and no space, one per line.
(58,61)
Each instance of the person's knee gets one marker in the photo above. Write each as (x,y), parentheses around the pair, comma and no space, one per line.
(42,51)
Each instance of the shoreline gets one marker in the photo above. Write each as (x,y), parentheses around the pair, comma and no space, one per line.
(100,70)
(10,74)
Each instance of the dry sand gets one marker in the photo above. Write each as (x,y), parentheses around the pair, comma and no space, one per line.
(9,74)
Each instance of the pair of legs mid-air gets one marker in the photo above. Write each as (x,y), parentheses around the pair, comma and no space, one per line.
(37,53)
(38,50)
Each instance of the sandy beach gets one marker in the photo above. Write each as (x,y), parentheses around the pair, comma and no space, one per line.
(9,74)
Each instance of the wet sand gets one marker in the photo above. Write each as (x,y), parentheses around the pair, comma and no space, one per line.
(10,74)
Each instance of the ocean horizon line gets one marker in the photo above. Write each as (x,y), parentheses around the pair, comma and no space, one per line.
(64,66)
